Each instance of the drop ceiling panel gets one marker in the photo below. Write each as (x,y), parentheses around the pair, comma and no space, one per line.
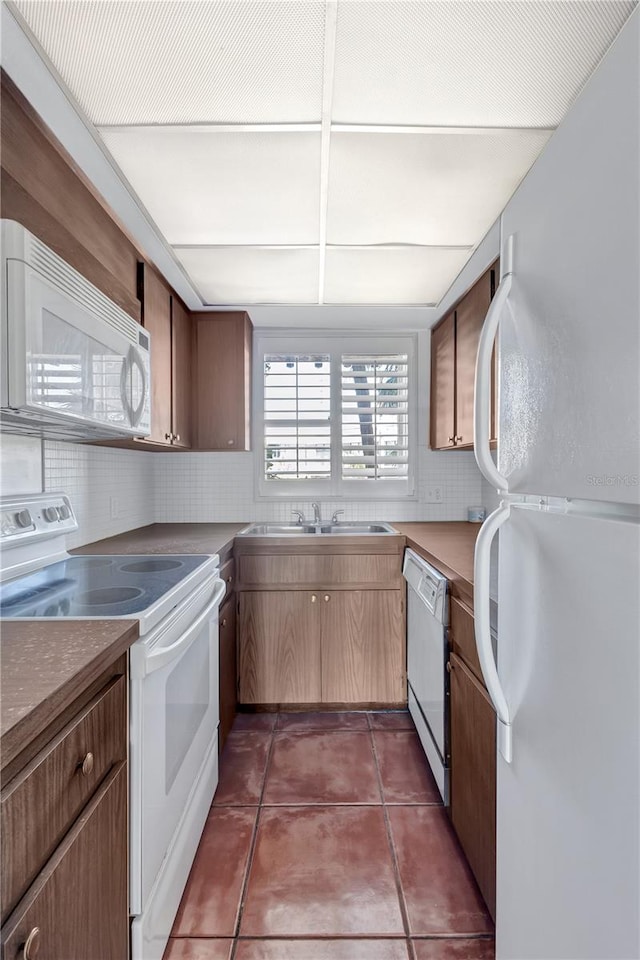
(441,189)
(206,187)
(467,63)
(404,275)
(242,275)
(186,62)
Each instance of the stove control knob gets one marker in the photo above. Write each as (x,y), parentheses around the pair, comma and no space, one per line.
(50,514)
(23,519)
(63,512)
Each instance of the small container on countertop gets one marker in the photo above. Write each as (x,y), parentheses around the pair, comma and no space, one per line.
(476,514)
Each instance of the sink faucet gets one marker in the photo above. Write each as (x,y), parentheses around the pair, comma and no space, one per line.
(299,515)
(334,518)
(316,513)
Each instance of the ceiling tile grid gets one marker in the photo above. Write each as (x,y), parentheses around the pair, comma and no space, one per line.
(337,151)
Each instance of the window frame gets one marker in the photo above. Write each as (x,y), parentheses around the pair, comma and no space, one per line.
(334,343)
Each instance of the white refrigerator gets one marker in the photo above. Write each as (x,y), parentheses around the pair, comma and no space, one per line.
(567,678)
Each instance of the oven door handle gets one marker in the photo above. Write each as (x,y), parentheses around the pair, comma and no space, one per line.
(160,658)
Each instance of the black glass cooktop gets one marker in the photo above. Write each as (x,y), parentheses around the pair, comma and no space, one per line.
(118,586)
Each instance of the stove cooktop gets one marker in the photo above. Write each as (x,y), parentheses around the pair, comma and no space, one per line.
(108,586)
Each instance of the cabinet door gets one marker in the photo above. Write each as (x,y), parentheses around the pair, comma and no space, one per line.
(181,383)
(79,900)
(279,647)
(473,776)
(222,381)
(228,668)
(470,316)
(443,383)
(156,318)
(363,646)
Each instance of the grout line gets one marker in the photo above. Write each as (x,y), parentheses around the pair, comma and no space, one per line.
(394,859)
(252,848)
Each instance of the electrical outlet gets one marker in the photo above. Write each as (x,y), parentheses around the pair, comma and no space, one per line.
(434,494)
(114,508)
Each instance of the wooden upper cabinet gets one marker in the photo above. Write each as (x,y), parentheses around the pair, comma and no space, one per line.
(156,318)
(169,324)
(454,348)
(180,374)
(443,361)
(222,381)
(470,315)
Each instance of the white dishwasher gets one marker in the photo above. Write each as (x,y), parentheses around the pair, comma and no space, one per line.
(427,652)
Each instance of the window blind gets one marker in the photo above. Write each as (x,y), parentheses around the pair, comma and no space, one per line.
(375,416)
(297,409)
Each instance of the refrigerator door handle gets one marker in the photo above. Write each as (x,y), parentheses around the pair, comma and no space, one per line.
(482,385)
(481,611)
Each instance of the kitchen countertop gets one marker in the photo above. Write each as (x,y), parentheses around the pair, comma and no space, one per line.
(46,665)
(449,546)
(206,538)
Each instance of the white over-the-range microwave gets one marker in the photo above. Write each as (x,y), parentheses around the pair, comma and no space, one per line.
(74,364)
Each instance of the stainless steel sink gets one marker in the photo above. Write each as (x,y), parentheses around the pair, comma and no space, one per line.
(322,529)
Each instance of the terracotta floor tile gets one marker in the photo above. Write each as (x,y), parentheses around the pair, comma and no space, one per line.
(255,721)
(440,892)
(321,871)
(404,770)
(321,721)
(191,949)
(211,898)
(322,950)
(242,768)
(322,767)
(456,949)
(391,720)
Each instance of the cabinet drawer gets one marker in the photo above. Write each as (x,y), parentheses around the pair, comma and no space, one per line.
(228,574)
(78,903)
(53,789)
(345,571)
(462,636)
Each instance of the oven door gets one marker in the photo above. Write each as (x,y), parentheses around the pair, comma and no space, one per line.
(174,721)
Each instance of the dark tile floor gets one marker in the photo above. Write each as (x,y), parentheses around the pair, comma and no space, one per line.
(327,840)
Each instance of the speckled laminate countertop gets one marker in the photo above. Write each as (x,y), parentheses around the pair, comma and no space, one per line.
(204,538)
(46,664)
(449,546)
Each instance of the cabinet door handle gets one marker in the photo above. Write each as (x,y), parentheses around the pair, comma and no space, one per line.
(313,598)
(449,666)
(224,622)
(87,765)
(177,437)
(458,439)
(452,439)
(327,598)
(230,443)
(31,946)
(229,579)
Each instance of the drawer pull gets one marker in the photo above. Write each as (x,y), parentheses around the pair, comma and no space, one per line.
(327,598)
(229,579)
(313,598)
(31,946)
(87,765)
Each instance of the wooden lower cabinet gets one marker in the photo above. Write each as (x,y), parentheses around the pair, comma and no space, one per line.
(279,648)
(77,908)
(322,646)
(473,775)
(362,643)
(228,668)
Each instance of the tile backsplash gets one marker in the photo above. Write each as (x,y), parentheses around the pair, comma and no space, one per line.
(111,490)
(116,490)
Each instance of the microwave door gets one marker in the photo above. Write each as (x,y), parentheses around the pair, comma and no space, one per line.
(76,366)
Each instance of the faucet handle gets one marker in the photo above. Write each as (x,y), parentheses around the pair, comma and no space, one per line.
(336,514)
(299,515)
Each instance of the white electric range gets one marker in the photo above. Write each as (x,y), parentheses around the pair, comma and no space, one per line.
(173,706)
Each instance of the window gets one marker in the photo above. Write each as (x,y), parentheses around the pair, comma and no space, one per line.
(336,421)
